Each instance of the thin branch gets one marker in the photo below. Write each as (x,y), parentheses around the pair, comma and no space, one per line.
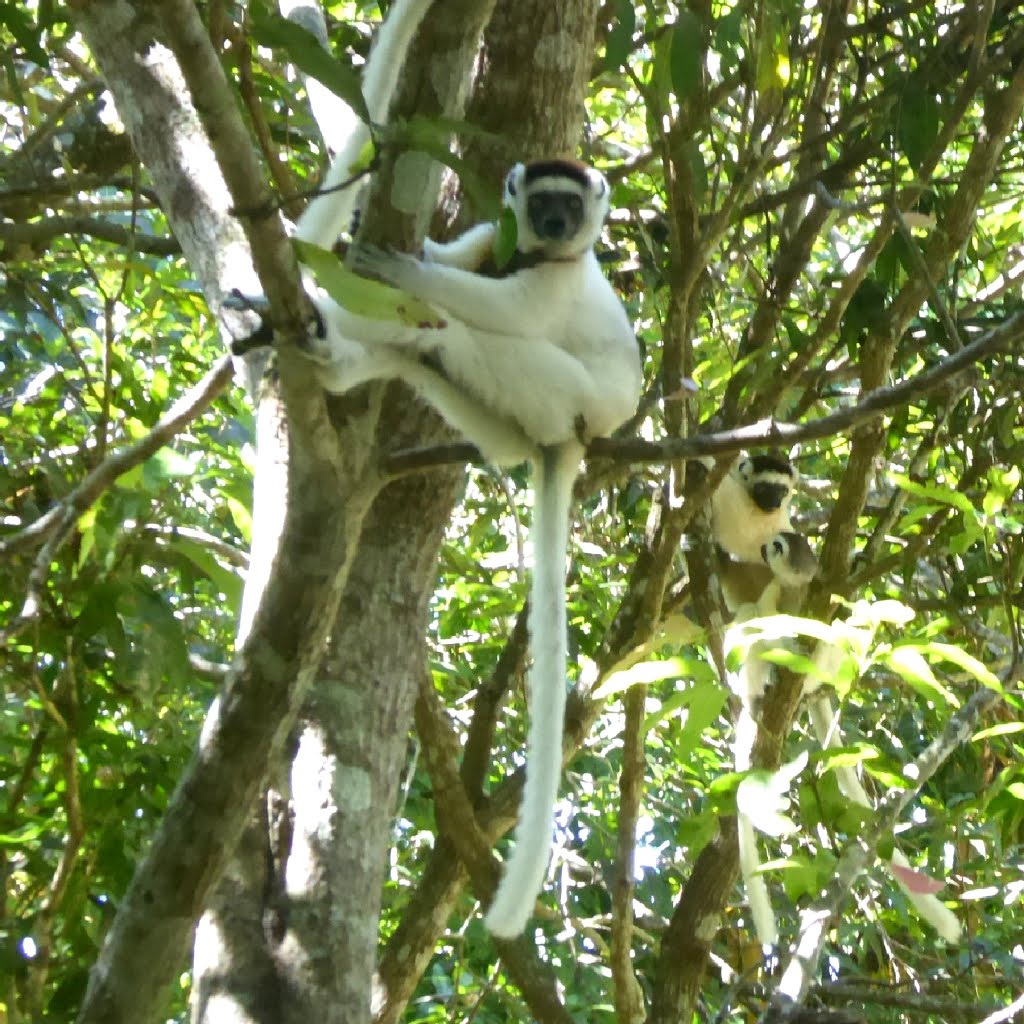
(44,231)
(817,920)
(909,1000)
(767,432)
(56,525)
(219,547)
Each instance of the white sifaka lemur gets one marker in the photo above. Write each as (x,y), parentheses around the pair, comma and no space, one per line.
(526,366)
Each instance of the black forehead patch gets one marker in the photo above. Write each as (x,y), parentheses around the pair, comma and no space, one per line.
(571,169)
(771,464)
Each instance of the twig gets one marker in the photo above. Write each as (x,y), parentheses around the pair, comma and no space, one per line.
(56,525)
(815,922)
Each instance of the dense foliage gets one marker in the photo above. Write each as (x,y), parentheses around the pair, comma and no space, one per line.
(808,205)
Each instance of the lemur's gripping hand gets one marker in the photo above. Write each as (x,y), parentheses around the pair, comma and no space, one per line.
(395,268)
(266,334)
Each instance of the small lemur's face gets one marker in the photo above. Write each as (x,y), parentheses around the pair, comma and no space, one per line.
(560,207)
(790,557)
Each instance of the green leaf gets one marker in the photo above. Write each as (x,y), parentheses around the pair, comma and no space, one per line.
(707,700)
(620,38)
(729,34)
(847,757)
(226,579)
(306,53)
(959,657)
(645,672)
(27,35)
(807,876)
(918,125)
(773,69)
(909,663)
(26,834)
(362,296)
(686,55)
(507,239)
(1003,729)
(935,492)
(159,650)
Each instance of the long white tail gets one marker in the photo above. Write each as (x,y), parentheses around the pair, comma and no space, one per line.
(328,215)
(758,899)
(928,907)
(524,871)
(766,928)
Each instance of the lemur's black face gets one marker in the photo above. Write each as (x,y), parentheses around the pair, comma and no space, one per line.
(769,480)
(555,216)
(559,206)
(769,496)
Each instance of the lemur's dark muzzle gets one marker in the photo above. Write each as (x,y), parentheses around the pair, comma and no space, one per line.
(769,497)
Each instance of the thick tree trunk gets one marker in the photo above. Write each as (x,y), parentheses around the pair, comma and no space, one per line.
(296,939)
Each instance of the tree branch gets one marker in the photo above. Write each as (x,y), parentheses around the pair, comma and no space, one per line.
(56,525)
(764,433)
(44,231)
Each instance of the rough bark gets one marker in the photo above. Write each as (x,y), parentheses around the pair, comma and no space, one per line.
(329,489)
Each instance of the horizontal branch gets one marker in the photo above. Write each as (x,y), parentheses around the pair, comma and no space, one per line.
(762,434)
(43,231)
(770,432)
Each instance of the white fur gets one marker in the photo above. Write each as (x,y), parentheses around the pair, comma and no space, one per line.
(547,347)
(328,215)
(792,566)
(739,525)
(748,683)
(525,870)
(520,366)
